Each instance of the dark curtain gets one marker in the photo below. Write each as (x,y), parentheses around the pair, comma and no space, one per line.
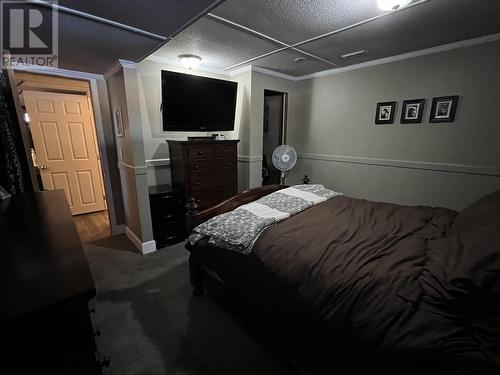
(14,173)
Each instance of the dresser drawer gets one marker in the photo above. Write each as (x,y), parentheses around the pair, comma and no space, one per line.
(207,181)
(212,165)
(166,216)
(225,150)
(200,152)
(167,206)
(169,233)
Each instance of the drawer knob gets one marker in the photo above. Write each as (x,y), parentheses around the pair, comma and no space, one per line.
(197,183)
(228,163)
(196,166)
(170,237)
(169,216)
(200,152)
(224,151)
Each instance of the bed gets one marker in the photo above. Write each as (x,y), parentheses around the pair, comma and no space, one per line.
(354,285)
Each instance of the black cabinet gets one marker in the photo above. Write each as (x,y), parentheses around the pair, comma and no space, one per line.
(167,214)
(45,289)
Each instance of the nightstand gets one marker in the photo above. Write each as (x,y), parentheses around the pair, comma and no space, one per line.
(167,214)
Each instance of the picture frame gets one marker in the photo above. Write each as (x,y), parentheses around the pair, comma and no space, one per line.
(118,122)
(385,113)
(413,111)
(444,109)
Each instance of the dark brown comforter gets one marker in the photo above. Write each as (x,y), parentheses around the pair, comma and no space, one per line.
(352,285)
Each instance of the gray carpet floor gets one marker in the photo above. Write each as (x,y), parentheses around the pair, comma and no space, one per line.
(152,324)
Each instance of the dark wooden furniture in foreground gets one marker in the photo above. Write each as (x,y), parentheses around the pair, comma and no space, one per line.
(206,171)
(167,214)
(45,288)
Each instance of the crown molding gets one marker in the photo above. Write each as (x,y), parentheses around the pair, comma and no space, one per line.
(406,56)
(117,65)
(270,72)
(112,70)
(239,71)
(59,72)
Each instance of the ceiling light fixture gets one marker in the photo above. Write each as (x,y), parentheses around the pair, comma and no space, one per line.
(299,59)
(392,4)
(190,61)
(352,54)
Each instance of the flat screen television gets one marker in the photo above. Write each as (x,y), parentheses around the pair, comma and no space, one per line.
(193,103)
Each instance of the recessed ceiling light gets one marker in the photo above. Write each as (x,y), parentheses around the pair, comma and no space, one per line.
(299,59)
(190,61)
(392,4)
(352,54)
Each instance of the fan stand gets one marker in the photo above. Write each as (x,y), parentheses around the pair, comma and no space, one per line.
(282,179)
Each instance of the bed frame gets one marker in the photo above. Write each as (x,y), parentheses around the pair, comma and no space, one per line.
(194,218)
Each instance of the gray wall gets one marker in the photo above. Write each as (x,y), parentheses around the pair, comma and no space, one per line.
(448,164)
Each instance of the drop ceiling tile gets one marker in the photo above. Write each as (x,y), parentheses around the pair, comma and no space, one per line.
(283,62)
(424,26)
(89,46)
(162,17)
(294,21)
(219,45)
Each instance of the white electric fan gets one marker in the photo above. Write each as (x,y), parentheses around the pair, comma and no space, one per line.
(284,159)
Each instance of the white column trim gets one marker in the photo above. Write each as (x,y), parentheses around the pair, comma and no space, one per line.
(250,158)
(158,162)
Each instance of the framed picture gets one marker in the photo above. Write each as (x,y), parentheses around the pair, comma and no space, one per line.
(444,109)
(118,121)
(413,111)
(385,113)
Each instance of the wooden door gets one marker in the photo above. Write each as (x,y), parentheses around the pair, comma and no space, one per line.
(66,149)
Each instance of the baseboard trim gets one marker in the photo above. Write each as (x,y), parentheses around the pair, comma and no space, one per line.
(422,165)
(144,247)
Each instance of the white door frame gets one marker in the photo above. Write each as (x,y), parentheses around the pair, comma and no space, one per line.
(96,107)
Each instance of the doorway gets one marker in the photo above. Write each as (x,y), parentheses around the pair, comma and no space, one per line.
(64,147)
(274,133)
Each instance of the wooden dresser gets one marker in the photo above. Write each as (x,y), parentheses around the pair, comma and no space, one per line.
(45,289)
(204,170)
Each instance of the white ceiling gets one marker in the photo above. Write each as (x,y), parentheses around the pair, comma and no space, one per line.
(272,33)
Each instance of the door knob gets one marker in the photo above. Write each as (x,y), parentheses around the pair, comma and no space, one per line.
(43,167)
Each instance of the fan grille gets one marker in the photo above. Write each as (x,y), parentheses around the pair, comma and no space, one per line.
(284,157)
